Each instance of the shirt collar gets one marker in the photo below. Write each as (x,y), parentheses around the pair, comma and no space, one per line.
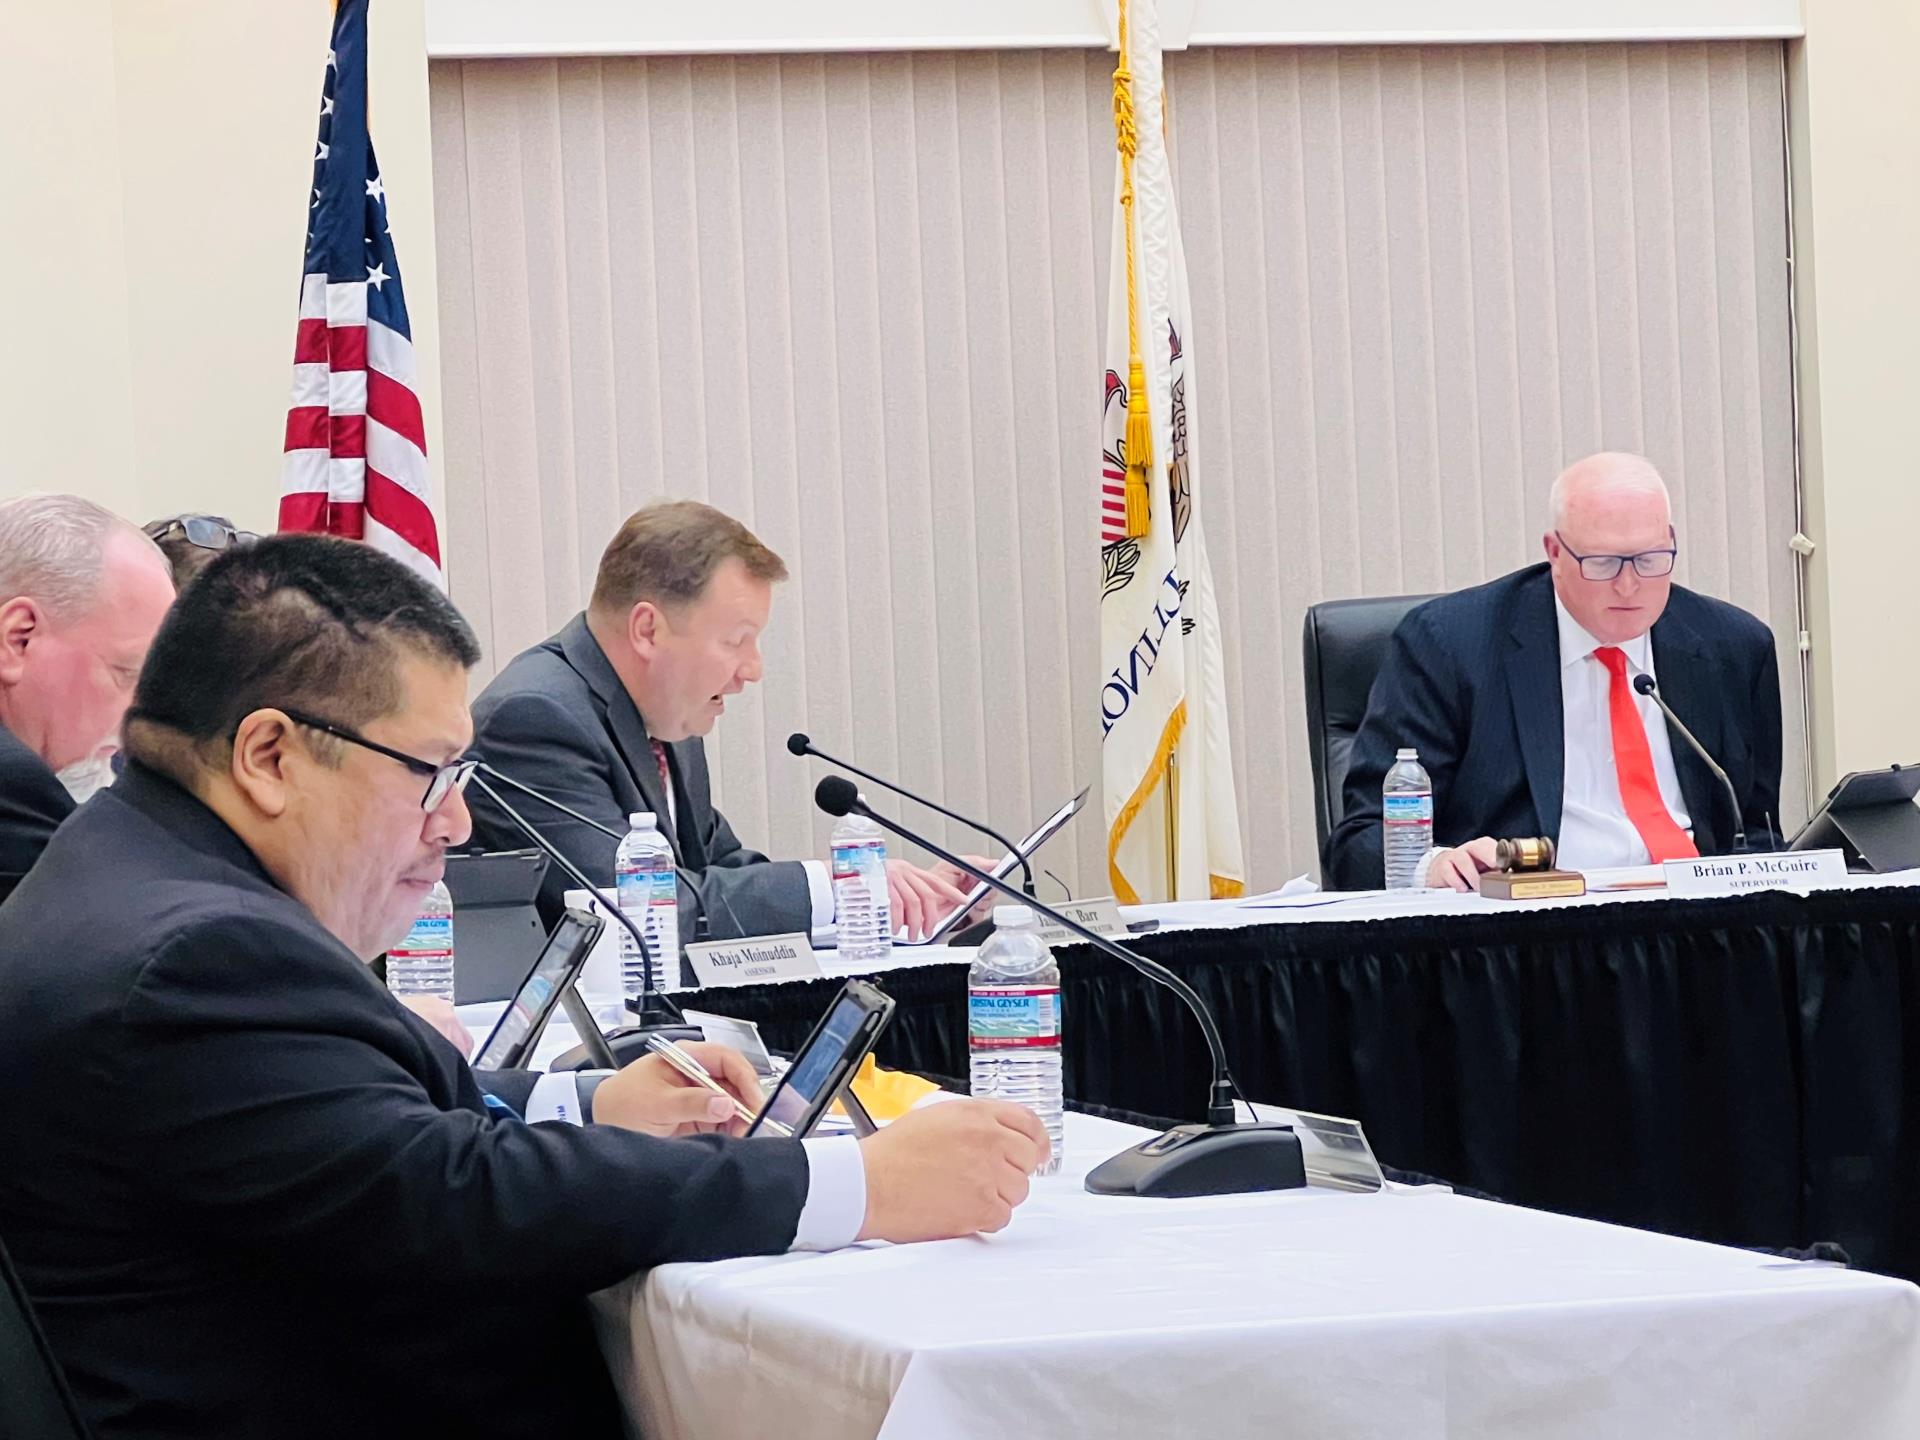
(1576,644)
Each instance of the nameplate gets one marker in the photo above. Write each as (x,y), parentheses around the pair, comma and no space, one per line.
(1732,874)
(748,962)
(1102,916)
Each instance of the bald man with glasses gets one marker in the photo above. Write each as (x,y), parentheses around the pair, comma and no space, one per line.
(1520,697)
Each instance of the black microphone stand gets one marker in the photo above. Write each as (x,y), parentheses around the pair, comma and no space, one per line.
(653,1010)
(802,745)
(548,801)
(1646,685)
(1224,1156)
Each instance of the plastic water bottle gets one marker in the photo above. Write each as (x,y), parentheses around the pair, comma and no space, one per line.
(648,889)
(422,964)
(1013,1021)
(1406,818)
(862,909)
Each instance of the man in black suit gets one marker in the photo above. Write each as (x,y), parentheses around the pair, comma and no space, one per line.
(251,1195)
(81,593)
(608,715)
(1511,692)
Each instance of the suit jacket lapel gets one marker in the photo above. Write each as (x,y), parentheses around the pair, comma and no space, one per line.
(629,731)
(1533,683)
(1680,666)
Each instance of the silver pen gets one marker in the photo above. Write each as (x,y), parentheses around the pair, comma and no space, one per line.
(696,1072)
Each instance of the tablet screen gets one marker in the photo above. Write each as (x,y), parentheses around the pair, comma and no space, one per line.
(565,951)
(1007,864)
(817,1066)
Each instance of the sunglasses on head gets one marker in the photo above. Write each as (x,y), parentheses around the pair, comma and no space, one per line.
(202,530)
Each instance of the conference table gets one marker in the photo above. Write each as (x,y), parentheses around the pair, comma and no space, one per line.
(1742,1069)
(1406,1312)
(1410,1313)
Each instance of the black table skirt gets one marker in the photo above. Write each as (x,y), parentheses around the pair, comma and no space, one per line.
(1742,1071)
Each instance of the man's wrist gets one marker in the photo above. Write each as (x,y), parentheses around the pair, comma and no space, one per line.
(1423,872)
(588,1081)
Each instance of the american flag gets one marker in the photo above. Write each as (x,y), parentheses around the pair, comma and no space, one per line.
(356,454)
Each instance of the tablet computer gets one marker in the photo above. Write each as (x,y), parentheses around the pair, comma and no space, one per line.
(497,919)
(1871,816)
(832,1053)
(511,1043)
(1004,867)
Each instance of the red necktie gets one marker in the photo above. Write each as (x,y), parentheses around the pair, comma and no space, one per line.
(660,759)
(1633,767)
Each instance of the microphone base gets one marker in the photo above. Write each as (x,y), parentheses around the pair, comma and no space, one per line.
(1191,1160)
(651,1011)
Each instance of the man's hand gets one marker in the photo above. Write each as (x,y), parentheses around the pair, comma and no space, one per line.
(654,1098)
(950,1169)
(919,899)
(1460,868)
(441,1016)
(964,883)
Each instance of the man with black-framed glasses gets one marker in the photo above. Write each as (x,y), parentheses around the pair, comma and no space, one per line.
(1519,696)
(248,1192)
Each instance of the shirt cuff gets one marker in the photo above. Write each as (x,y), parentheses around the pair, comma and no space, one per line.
(1423,872)
(557,1097)
(836,1205)
(820,891)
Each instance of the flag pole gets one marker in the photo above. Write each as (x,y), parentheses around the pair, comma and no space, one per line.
(1139,432)
(1173,823)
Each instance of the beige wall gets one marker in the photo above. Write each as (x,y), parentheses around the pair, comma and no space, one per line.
(1856,113)
(160,275)
(63,369)
(154,151)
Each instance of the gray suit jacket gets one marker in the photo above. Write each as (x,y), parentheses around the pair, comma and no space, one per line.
(558,719)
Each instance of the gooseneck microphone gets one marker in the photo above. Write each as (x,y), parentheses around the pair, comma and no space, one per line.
(653,1009)
(1644,683)
(549,802)
(800,744)
(1223,1156)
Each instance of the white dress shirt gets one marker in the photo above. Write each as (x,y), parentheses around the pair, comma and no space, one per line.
(836,1203)
(1594,829)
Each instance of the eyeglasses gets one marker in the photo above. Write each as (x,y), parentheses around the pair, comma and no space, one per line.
(204,531)
(1648,564)
(442,780)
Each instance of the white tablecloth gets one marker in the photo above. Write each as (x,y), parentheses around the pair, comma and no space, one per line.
(1605,887)
(1408,1315)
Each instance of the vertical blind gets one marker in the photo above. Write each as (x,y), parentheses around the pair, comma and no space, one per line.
(857,301)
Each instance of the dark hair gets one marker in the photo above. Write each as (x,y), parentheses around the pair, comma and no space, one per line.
(668,551)
(306,622)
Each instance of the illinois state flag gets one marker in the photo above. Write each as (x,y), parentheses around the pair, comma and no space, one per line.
(1173,823)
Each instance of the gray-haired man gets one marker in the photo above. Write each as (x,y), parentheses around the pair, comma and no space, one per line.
(81,594)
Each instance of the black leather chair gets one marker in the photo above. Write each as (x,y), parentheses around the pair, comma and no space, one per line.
(35,1403)
(1344,645)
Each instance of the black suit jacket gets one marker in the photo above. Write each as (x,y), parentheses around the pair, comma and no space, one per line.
(558,719)
(251,1195)
(1472,680)
(32,804)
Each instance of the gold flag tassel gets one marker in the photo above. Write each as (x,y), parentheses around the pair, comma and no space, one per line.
(1139,434)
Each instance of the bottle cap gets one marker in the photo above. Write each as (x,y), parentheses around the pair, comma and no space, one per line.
(1007,917)
(640,820)
(1407,752)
